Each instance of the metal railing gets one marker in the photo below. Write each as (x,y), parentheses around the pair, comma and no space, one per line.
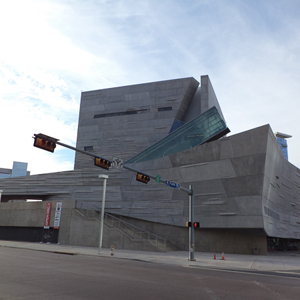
(133,232)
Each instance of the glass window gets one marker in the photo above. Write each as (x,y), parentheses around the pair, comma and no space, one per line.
(207,127)
(122,113)
(88,148)
(165,108)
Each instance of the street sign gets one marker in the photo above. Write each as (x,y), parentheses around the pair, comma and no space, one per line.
(117,163)
(57,215)
(157,178)
(172,184)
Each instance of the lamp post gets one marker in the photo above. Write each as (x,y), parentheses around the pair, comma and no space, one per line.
(0,195)
(102,211)
(49,143)
(191,228)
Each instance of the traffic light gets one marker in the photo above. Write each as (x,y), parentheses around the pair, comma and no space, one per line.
(44,143)
(142,178)
(195,224)
(102,163)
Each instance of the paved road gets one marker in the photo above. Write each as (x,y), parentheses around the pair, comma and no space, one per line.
(27,274)
(275,261)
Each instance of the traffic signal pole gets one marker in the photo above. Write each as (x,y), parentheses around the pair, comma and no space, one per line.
(189,191)
(78,150)
(56,141)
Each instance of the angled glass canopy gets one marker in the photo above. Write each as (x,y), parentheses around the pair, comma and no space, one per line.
(207,127)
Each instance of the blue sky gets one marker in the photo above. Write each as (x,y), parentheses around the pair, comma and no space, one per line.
(52,50)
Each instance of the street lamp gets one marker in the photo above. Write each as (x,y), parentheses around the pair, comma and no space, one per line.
(49,143)
(191,228)
(102,211)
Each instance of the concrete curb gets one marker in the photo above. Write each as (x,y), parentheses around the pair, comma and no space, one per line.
(273,262)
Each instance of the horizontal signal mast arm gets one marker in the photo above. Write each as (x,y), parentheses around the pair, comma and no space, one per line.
(107,161)
(56,141)
(153,177)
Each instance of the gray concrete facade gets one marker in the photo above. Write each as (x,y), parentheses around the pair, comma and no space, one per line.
(244,188)
(123,135)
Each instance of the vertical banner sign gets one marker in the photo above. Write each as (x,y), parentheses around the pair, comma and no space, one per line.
(57,215)
(47,216)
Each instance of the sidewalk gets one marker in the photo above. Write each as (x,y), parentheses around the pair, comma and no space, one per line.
(279,261)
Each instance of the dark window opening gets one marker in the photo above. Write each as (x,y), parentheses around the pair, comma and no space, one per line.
(165,108)
(121,113)
(88,148)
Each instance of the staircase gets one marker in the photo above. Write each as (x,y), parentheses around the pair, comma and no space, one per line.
(133,232)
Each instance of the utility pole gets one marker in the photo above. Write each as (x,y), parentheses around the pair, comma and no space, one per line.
(49,144)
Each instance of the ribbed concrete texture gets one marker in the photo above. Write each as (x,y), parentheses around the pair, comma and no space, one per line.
(245,190)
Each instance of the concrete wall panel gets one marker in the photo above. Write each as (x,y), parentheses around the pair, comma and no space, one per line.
(240,182)
(207,171)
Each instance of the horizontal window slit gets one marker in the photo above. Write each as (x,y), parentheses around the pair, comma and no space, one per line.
(165,108)
(121,113)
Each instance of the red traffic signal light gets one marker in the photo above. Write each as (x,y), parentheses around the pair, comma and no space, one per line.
(196,224)
(142,178)
(102,163)
(43,143)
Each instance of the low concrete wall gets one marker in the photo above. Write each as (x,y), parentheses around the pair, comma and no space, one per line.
(76,229)
(209,240)
(86,232)
(32,214)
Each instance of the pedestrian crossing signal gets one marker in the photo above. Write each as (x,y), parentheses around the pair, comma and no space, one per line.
(195,224)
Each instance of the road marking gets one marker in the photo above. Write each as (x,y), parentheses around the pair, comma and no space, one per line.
(288,274)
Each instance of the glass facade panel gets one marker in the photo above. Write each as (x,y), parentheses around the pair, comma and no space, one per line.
(206,127)
(283,146)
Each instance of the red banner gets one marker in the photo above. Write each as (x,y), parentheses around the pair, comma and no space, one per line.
(47,216)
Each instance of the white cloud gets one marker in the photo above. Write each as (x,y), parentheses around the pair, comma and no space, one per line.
(32,105)
(51,50)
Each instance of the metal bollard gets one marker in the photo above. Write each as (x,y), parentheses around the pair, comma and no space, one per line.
(112,249)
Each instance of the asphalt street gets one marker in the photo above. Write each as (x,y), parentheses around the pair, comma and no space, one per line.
(43,274)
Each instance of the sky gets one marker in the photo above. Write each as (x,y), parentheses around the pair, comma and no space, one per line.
(52,50)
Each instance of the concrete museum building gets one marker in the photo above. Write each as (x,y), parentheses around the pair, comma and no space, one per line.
(246,193)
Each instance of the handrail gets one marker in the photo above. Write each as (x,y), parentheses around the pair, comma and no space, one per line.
(130,230)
